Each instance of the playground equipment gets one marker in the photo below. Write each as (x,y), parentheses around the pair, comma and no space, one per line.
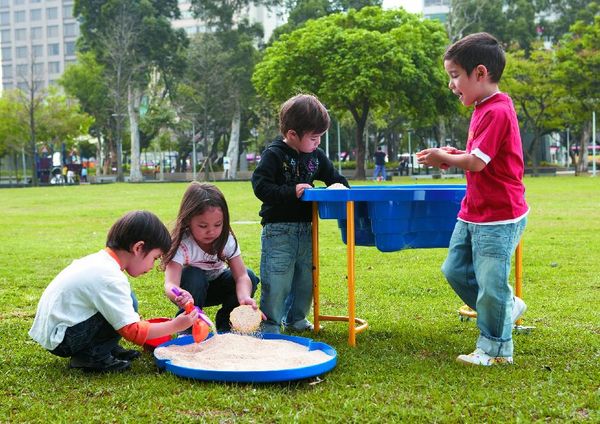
(390,218)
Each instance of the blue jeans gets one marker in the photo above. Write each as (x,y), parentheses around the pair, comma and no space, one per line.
(286,274)
(91,340)
(379,169)
(220,291)
(477,268)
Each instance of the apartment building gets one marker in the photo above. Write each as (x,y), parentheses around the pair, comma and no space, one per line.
(37,41)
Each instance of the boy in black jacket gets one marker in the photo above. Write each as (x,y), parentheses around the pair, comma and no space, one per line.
(287,167)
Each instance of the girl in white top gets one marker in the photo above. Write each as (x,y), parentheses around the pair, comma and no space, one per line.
(205,261)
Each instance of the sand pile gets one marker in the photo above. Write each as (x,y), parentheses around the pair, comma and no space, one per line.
(236,352)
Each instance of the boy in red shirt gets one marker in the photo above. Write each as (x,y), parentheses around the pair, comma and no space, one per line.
(493,212)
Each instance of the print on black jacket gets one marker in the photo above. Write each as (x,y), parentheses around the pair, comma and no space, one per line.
(280,169)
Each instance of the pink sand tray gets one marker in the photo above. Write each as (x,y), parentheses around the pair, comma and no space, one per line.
(266,376)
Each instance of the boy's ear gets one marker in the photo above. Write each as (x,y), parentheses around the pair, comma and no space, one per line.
(482,71)
(137,247)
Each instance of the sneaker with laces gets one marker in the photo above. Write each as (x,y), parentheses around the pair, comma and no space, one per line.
(479,357)
(519,308)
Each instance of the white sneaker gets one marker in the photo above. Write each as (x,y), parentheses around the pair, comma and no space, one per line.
(519,308)
(479,357)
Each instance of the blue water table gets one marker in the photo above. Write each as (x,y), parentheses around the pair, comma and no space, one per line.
(390,218)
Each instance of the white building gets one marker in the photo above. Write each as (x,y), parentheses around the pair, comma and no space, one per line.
(37,40)
(269,19)
(38,37)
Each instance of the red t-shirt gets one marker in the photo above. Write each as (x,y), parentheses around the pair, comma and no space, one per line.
(497,192)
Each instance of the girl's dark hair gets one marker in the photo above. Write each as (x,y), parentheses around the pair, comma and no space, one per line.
(139,226)
(478,49)
(303,113)
(197,199)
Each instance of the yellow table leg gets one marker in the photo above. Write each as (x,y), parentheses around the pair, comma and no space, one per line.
(465,311)
(519,274)
(315,261)
(355,325)
(350,260)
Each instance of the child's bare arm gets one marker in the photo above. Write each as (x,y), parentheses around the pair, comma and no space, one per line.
(440,158)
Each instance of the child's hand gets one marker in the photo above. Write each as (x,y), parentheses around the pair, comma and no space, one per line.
(249,301)
(450,150)
(186,320)
(183,298)
(433,157)
(300,189)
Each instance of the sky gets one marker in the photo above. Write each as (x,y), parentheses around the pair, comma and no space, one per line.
(414,6)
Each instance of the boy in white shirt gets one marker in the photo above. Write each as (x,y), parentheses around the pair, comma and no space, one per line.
(89,306)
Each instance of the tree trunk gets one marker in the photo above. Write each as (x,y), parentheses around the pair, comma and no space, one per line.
(582,162)
(133,106)
(360,121)
(233,150)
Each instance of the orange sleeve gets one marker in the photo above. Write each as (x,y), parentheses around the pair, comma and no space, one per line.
(136,333)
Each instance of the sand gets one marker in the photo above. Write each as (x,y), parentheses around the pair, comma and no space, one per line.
(236,352)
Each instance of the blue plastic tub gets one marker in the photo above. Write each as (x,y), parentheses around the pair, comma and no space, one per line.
(394,217)
(254,376)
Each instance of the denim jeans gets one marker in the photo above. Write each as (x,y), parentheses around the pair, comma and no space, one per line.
(286,274)
(91,340)
(220,291)
(478,268)
(379,170)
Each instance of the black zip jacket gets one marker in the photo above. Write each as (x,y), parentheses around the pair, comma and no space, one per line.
(279,170)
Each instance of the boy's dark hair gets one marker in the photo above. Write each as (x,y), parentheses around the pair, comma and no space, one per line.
(478,49)
(303,113)
(197,199)
(139,226)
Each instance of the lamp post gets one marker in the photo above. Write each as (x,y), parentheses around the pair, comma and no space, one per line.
(593,143)
(194,160)
(410,158)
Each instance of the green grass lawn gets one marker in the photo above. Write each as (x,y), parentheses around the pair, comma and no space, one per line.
(403,368)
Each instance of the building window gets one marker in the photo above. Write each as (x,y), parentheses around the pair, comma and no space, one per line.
(19,2)
(70,30)
(52,31)
(20,16)
(5,18)
(20,34)
(5,35)
(68,11)
(22,70)
(35,1)
(53,49)
(52,13)
(22,52)
(6,53)
(4,3)
(53,67)
(70,48)
(7,85)
(38,69)
(35,15)
(37,50)
(6,71)
(36,33)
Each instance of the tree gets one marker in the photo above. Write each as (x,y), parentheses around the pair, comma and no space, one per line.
(579,66)
(85,81)
(539,98)
(357,62)
(14,130)
(564,13)
(238,38)
(511,21)
(132,39)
